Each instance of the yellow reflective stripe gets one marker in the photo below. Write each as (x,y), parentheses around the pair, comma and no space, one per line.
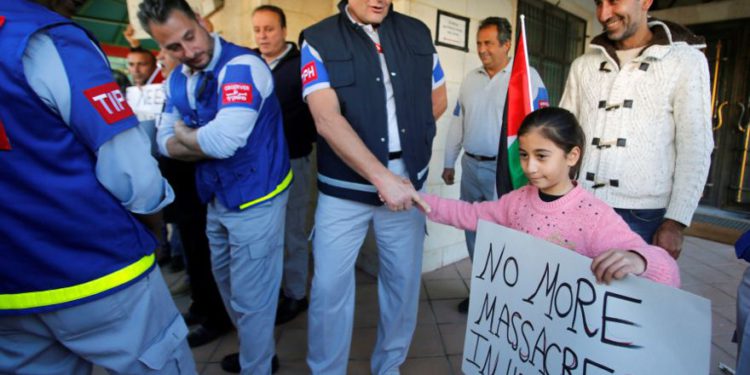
(280,188)
(72,293)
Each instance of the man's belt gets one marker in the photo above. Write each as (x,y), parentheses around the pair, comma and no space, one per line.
(480,157)
(394,155)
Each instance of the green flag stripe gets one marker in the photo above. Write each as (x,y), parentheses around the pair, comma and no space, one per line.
(517,177)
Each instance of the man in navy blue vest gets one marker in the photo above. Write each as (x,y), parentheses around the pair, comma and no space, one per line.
(374,85)
(78,281)
(222,112)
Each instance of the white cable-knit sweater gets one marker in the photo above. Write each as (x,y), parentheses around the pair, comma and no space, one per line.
(655,113)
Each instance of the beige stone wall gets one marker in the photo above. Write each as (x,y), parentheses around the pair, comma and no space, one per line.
(302,13)
(234,20)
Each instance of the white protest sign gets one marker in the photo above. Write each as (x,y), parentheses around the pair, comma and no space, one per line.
(536,309)
(146,101)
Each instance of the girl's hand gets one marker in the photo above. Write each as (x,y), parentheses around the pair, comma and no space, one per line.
(616,264)
(416,198)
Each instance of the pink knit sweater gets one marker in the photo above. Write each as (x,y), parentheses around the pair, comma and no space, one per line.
(577,221)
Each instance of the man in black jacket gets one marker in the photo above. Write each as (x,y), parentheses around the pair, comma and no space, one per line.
(269,27)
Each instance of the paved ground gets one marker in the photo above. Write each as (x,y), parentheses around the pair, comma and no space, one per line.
(707,268)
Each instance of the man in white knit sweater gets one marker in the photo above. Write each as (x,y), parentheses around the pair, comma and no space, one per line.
(641,94)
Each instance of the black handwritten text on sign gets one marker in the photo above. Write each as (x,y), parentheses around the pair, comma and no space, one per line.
(536,309)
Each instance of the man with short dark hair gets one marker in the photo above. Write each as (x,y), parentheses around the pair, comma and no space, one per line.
(641,95)
(269,28)
(478,120)
(146,95)
(79,285)
(222,112)
(374,84)
(142,67)
(188,213)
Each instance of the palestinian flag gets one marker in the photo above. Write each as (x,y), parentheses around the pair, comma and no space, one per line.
(519,104)
(524,83)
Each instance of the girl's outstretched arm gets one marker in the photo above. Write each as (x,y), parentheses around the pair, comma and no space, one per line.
(463,215)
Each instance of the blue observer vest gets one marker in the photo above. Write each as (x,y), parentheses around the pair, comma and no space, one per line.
(258,171)
(64,239)
(353,66)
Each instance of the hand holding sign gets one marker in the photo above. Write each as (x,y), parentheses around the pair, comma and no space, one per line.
(616,264)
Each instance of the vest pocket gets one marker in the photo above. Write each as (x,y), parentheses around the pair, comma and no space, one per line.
(422,59)
(340,70)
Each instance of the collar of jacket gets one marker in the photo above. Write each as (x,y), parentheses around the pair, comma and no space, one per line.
(666,35)
(291,54)
(294,52)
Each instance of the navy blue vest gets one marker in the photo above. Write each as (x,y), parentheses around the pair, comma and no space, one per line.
(64,239)
(259,170)
(353,66)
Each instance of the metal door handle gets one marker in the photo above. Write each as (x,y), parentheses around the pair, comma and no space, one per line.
(720,116)
(742,115)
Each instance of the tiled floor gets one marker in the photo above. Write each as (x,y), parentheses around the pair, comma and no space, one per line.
(707,268)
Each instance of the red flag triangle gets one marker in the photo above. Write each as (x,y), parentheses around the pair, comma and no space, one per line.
(518,106)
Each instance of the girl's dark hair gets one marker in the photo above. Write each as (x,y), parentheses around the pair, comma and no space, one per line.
(559,126)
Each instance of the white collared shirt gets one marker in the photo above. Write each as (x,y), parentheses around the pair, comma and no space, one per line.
(278,58)
(478,116)
(309,54)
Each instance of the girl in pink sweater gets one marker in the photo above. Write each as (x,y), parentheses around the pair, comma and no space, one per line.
(553,207)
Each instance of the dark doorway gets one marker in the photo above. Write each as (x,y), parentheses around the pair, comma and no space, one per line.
(554,39)
(728,185)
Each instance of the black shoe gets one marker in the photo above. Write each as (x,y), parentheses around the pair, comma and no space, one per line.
(202,336)
(289,309)
(463,307)
(231,363)
(193,319)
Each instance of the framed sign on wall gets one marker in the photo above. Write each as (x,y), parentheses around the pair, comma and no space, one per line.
(452,31)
